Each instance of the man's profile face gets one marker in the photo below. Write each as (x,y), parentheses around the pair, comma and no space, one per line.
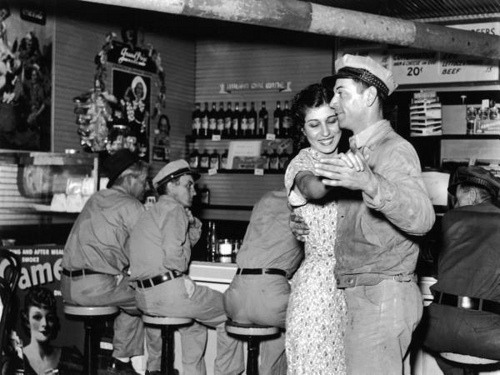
(348,102)
(183,191)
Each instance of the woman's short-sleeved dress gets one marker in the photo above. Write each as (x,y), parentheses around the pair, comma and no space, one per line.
(316,314)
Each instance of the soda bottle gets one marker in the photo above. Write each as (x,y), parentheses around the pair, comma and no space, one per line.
(196,123)
(212,120)
(228,120)
(244,121)
(220,119)
(223,160)
(204,121)
(252,120)
(235,121)
(263,121)
(214,160)
(194,159)
(277,119)
(205,160)
(287,121)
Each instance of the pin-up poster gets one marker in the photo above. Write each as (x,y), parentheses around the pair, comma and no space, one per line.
(26,42)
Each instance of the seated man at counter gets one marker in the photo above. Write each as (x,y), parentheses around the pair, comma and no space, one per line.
(259,291)
(160,251)
(95,259)
(464,316)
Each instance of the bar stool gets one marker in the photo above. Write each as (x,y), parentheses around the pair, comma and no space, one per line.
(253,334)
(167,326)
(91,316)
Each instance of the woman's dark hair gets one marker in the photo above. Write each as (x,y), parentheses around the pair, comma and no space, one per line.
(312,96)
(42,298)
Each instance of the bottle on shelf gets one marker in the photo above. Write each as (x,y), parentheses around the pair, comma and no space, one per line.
(274,161)
(205,160)
(287,121)
(265,159)
(204,121)
(277,119)
(223,160)
(235,121)
(262,122)
(244,121)
(205,195)
(212,242)
(283,159)
(214,160)
(252,120)
(196,121)
(228,120)
(194,159)
(212,120)
(220,119)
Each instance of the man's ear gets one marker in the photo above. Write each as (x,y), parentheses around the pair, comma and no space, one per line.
(371,95)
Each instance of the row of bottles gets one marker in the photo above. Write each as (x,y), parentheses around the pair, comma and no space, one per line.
(272,160)
(235,123)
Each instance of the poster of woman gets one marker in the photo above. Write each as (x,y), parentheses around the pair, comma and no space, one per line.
(26,41)
(133,92)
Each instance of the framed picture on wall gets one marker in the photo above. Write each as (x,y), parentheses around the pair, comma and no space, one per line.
(26,42)
(133,91)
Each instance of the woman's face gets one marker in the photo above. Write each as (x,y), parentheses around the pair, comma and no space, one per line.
(139,91)
(322,130)
(42,323)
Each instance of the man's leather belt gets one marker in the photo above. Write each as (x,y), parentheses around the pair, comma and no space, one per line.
(260,271)
(81,272)
(371,279)
(148,283)
(467,303)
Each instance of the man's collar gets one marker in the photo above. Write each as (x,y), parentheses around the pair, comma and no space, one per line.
(371,134)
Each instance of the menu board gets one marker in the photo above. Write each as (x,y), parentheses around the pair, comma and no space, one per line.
(414,67)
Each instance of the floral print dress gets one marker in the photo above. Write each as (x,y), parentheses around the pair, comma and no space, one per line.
(316,314)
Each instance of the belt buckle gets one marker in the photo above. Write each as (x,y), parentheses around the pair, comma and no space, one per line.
(468,303)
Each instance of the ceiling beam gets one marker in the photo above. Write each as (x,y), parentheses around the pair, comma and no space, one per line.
(319,19)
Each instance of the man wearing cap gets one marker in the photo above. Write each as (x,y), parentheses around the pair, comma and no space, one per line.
(464,316)
(381,215)
(160,252)
(96,260)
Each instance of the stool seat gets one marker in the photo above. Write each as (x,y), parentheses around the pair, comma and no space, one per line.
(90,310)
(467,359)
(165,320)
(250,329)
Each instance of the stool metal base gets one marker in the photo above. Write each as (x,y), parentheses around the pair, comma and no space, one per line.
(253,334)
(167,326)
(91,316)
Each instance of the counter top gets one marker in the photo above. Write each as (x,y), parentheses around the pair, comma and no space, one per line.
(214,272)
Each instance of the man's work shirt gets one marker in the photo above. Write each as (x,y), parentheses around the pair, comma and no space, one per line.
(268,241)
(162,240)
(376,235)
(98,238)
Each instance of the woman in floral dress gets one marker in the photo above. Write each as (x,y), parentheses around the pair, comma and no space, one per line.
(316,314)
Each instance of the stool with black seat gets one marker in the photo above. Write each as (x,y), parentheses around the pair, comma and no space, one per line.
(253,334)
(167,325)
(91,316)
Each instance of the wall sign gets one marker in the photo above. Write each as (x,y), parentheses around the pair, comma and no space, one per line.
(414,67)
(281,86)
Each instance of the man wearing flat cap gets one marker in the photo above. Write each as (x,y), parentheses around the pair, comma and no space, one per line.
(160,252)
(96,260)
(379,220)
(464,316)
